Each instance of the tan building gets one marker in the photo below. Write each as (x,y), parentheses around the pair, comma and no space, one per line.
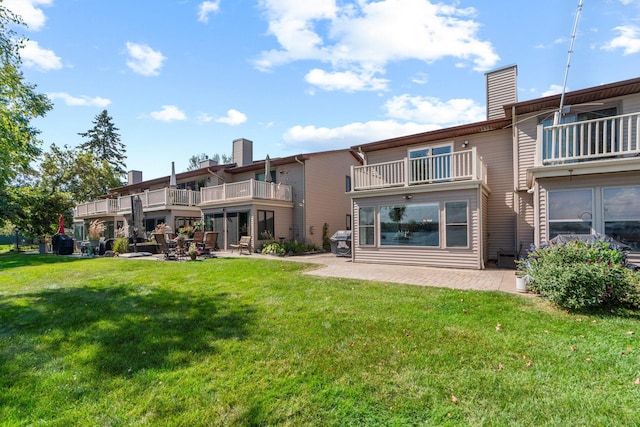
(282,198)
(484,192)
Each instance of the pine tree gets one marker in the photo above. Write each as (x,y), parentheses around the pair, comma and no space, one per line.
(104,143)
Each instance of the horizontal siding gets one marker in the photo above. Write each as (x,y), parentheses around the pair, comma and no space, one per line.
(436,257)
(501,90)
(527,135)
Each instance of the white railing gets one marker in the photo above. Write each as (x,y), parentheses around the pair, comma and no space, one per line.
(250,189)
(458,166)
(589,140)
(162,197)
(96,207)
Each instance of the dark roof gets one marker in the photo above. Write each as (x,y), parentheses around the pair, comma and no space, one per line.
(583,96)
(445,133)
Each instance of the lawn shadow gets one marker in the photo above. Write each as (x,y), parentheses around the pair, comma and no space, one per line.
(116,331)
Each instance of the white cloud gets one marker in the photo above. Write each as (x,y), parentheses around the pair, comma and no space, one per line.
(628,40)
(362,35)
(233,118)
(43,59)
(169,113)
(207,7)
(312,138)
(432,110)
(553,90)
(80,101)
(144,60)
(348,81)
(33,16)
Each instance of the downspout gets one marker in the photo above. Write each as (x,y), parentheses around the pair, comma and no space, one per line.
(516,177)
(304,196)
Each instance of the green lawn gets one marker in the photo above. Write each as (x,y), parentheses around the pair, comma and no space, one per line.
(255,342)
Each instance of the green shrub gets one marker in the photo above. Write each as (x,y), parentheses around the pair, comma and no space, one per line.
(273,248)
(121,245)
(580,274)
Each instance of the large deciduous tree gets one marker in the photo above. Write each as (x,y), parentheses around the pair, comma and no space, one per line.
(19,104)
(103,141)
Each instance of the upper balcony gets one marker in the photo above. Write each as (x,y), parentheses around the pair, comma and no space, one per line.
(246,190)
(609,138)
(164,198)
(96,208)
(440,168)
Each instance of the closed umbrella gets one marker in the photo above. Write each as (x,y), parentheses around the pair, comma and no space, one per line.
(61,225)
(172,180)
(136,218)
(267,169)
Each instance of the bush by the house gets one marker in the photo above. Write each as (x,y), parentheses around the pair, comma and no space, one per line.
(121,245)
(580,274)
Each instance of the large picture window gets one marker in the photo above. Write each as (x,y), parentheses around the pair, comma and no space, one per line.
(366,226)
(570,212)
(266,225)
(410,225)
(622,215)
(457,221)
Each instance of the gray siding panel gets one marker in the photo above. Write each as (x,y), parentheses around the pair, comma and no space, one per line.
(501,89)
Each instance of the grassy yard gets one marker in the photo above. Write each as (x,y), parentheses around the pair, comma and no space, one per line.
(255,342)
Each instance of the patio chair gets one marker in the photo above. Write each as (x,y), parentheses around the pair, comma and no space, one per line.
(210,242)
(168,251)
(198,238)
(242,245)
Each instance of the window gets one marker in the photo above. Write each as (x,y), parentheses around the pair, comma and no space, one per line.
(260,176)
(569,212)
(366,223)
(347,183)
(592,138)
(430,164)
(456,224)
(622,215)
(266,229)
(410,225)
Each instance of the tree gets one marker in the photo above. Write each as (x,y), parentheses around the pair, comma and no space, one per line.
(19,104)
(194,161)
(77,173)
(104,143)
(39,209)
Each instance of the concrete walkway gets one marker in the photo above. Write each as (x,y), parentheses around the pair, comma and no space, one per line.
(492,279)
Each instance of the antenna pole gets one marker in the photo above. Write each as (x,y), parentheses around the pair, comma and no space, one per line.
(566,72)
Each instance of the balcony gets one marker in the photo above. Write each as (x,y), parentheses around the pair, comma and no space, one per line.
(96,208)
(608,138)
(441,168)
(246,190)
(164,198)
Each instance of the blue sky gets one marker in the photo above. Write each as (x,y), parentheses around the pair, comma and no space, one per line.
(183,77)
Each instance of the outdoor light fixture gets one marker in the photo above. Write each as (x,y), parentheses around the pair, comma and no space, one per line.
(465,144)
(408,197)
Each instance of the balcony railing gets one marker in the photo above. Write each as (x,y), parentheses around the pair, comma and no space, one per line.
(164,197)
(459,166)
(96,207)
(606,138)
(250,189)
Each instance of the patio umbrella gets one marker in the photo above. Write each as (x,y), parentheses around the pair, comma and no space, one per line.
(267,169)
(61,225)
(136,218)
(172,180)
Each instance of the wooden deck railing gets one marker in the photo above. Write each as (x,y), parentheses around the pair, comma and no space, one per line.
(609,137)
(250,189)
(458,166)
